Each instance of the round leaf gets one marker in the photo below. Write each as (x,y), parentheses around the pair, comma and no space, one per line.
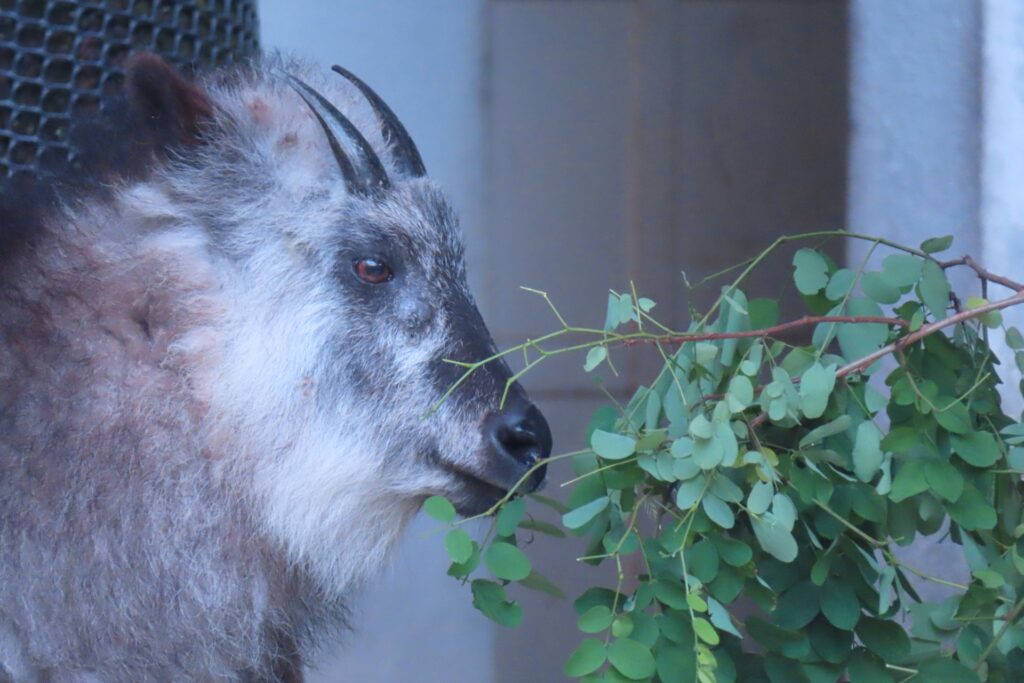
(705,631)
(867,452)
(760,498)
(816,385)
(632,658)
(934,245)
(885,638)
(611,446)
(976,448)
(439,508)
(811,271)
(587,658)
(459,545)
(507,561)
(719,512)
(840,605)
(574,519)
(595,619)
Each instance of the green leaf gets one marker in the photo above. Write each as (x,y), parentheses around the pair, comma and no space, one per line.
(705,631)
(709,453)
(934,245)
(724,488)
(542,527)
(944,478)
(705,353)
(885,638)
(595,619)
(760,498)
(538,582)
(811,271)
(574,519)
(547,501)
(702,561)
(1014,339)
(954,417)
(972,511)
(840,284)
(866,667)
(774,537)
(910,480)
(933,289)
(611,446)
(696,603)
(439,508)
(595,357)
(719,512)
(587,658)
(507,561)
(689,492)
(840,605)
(509,516)
(878,289)
(797,607)
(740,394)
(836,426)
(857,340)
(816,386)
(784,510)
(459,545)
(763,313)
(902,270)
(632,658)
(720,618)
(701,428)
(867,451)
(489,597)
(735,553)
(976,448)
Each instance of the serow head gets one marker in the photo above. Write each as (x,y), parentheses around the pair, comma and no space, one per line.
(405,360)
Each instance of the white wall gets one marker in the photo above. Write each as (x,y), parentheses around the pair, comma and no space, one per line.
(1002,165)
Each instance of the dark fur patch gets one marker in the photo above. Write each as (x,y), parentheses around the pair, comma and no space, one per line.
(158,113)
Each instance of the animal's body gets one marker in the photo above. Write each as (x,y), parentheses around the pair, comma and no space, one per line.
(217,378)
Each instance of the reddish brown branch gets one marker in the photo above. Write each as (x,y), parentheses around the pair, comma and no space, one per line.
(924,331)
(983,273)
(805,321)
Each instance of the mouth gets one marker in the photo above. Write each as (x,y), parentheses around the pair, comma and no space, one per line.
(475,495)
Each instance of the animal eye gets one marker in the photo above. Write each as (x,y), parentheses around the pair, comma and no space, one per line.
(372,271)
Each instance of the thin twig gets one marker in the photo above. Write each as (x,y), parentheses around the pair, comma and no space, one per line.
(805,321)
(926,330)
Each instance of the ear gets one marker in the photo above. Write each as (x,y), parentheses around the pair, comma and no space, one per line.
(169,107)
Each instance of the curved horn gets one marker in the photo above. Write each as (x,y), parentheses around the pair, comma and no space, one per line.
(405,152)
(367,175)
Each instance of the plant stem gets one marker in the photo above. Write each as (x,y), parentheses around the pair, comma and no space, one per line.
(1010,618)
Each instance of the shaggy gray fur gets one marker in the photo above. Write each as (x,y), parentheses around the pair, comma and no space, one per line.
(209,434)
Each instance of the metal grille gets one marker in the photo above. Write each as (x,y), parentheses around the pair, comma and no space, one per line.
(61,59)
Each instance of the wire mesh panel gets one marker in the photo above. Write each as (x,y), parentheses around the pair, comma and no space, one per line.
(59,59)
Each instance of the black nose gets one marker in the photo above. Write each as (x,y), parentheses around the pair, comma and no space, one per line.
(521,434)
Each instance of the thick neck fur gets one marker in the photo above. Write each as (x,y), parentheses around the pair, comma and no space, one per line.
(162,416)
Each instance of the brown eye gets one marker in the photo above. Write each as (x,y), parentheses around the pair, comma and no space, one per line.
(372,271)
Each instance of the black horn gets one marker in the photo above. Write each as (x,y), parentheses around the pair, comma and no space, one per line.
(366,175)
(406,155)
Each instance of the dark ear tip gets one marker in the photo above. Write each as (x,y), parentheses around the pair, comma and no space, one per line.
(163,98)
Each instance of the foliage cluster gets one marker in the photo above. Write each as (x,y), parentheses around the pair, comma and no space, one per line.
(784,478)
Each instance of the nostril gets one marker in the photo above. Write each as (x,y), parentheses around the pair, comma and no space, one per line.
(523,435)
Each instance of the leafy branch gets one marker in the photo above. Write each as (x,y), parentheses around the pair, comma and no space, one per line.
(778,471)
